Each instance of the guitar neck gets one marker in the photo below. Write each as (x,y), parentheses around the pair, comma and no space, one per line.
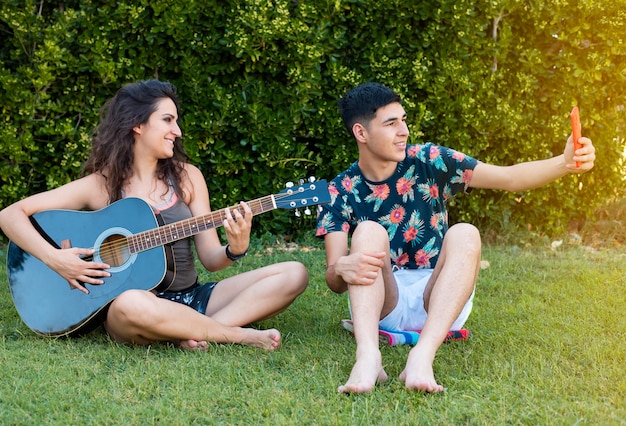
(186,228)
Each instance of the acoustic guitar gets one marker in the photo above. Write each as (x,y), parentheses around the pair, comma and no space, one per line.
(128,236)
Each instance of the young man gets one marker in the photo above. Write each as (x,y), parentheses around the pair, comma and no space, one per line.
(405,269)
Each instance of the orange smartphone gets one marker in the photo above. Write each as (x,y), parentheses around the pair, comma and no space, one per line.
(576,129)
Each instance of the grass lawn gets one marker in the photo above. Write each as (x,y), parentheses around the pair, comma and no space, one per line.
(548,347)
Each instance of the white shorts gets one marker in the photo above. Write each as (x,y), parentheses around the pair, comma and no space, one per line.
(409,314)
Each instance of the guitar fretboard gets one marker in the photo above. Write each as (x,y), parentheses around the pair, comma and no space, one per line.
(185,228)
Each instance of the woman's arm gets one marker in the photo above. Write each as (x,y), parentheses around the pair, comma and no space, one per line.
(85,193)
(210,251)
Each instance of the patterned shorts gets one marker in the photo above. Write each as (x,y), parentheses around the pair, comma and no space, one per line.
(196,296)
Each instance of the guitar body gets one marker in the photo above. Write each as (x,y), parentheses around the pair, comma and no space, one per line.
(44,299)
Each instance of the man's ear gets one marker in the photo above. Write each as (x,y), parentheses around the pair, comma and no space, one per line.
(360,132)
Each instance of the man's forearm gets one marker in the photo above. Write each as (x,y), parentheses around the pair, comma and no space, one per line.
(534,174)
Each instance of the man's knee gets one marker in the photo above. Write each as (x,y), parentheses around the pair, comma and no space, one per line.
(466,230)
(368,226)
(371,235)
(465,236)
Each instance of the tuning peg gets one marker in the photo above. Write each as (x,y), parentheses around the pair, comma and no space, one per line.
(307,211)
(319,209)
(297,213)
(289,185)
(300,181)
(312,179)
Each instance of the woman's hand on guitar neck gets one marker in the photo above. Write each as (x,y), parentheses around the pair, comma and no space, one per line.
(238,225)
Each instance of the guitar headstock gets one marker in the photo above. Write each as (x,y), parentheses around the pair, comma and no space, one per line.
(304,195)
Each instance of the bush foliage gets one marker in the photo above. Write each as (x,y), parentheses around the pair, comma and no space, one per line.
(259,81)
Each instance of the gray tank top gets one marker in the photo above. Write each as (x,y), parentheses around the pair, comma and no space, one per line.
(185,276)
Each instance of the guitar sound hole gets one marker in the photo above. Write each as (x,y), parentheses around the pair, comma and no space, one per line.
(114,250)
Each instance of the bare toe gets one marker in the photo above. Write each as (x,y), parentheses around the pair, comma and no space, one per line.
(194,345)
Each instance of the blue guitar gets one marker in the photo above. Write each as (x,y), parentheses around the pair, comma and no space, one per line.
(129,237)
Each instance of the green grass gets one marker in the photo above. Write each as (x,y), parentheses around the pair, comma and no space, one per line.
(548,347)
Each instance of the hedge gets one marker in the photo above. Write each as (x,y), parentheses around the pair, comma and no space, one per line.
(259,82)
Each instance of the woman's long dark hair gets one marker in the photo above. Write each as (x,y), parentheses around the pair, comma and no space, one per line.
(113,140)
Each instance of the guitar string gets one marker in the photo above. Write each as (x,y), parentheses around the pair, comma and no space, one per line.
(179,228)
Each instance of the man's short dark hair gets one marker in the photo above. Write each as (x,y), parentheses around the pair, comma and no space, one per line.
(360,104)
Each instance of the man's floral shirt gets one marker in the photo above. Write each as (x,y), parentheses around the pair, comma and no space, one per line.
(411,204)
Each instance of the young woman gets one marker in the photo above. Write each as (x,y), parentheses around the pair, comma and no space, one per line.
(137,152)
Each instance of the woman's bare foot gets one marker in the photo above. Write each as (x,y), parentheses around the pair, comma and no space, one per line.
(264,339)
(194,345)
(366,372)
(418,374)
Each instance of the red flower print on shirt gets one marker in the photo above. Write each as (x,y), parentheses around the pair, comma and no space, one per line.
(334,193)
(403,259)
(429,191)
(347,184)
(434,221)
(351,185)
(397,215)
(434,152)
(393,220)
(321,231)
(424,255)
(434,191)
(422,258)
(379,194)
(381,191)
(404,186)
(467,175)
(410,234)
(458,156)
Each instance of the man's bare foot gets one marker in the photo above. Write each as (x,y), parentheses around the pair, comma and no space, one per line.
(418,374)
(366,372)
